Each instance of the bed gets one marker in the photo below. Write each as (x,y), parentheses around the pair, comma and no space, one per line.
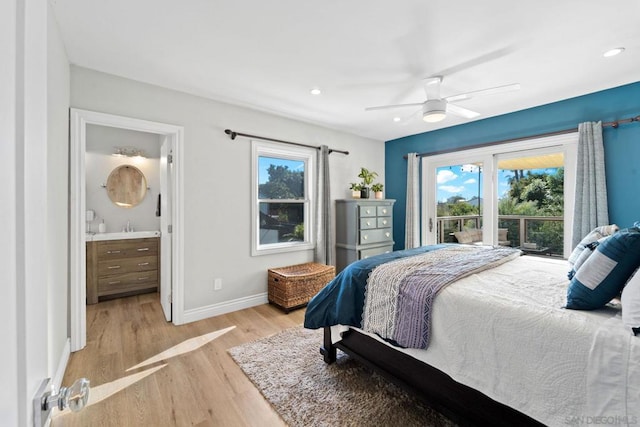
(501,349)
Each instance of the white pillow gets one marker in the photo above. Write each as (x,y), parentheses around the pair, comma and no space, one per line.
(631,303)
(595,234)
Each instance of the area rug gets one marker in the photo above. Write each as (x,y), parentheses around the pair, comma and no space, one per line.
(289,371)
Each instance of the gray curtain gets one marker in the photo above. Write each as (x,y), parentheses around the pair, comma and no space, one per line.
(412,223)
(591,188)
(324,236)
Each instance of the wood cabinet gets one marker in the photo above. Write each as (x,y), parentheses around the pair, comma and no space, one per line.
(363,228)
(122,267)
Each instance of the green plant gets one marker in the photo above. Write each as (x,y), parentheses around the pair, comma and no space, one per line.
(354,186)
(377,187)
(367,176)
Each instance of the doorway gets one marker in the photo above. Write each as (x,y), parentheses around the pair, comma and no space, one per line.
(171,283)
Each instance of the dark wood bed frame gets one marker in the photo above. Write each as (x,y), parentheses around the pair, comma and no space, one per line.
(460,403)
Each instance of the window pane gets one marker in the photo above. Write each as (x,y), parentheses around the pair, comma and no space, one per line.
(280,178)
(531,202)
(281,222)
(459,199)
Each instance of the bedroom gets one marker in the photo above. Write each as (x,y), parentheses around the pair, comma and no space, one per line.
(209,151)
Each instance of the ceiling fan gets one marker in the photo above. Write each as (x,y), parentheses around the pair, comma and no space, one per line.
(435,108)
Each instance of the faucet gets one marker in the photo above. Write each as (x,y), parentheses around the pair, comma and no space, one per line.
(128,228)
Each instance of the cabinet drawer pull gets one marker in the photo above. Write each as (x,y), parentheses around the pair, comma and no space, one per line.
(142,249)
(113,252)
(111,267)
(143,278)
(368,222)
(114,282)
(365,237)
(387,234)
(384,211)
(143,263)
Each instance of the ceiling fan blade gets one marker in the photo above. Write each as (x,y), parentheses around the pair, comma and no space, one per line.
(462,112)
(432,87)
(385,107)
(483,92)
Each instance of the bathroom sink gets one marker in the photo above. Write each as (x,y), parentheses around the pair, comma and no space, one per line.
(122,235)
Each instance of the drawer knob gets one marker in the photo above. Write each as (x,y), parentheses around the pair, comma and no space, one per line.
(142,249)
(143,263)
(365,237)
(111,267)
(384,211)
(368,222)
(387,234)
(384,222)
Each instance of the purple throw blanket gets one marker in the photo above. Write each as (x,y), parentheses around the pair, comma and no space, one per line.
(400,294)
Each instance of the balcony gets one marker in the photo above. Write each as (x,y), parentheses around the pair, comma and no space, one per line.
(541,235)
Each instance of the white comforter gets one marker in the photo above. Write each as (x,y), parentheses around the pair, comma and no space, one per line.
(504,332)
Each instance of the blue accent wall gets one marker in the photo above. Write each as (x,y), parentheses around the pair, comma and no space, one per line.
(621,145)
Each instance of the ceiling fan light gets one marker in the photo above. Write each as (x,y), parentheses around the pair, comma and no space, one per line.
(434,110)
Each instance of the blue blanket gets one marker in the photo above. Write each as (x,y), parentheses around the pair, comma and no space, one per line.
(341,301)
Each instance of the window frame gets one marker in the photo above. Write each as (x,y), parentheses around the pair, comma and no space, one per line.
(490,155)
(280,151)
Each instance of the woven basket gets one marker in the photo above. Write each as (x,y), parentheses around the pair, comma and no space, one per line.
(293,286)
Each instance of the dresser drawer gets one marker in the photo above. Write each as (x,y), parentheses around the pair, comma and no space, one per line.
(366,253)
(367,211)
(367,223)
(128,265)
(384,210)
(375,236)
(384,222)
(127,282)
(113,249)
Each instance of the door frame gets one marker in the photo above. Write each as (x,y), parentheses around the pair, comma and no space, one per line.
(79,119)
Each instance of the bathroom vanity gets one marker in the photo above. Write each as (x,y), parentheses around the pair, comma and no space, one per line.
(122,264)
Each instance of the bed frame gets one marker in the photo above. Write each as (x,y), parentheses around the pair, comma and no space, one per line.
(460,403)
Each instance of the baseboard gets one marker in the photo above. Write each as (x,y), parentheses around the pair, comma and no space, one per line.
(205,312)
(56,380)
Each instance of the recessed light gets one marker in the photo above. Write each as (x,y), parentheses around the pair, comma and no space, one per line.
(613,52)
(315,91)
(396,119)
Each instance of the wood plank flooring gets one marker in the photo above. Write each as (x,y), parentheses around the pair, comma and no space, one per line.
(202,387)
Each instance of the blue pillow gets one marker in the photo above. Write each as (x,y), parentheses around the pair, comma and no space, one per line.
(604,273)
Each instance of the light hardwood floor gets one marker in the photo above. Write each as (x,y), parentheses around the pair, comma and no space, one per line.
(202,387)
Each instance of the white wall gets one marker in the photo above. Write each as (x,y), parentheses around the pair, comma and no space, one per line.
(57,238)
(217,177)
(100,163)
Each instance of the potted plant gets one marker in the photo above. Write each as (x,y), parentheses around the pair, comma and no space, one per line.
(355,190)
(367,179)
(377,190)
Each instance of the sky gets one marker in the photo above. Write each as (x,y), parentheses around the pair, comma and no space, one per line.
(462,180)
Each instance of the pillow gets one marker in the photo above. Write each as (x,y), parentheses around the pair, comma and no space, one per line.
(604,273)
(584,255)
(502,233)
(631,303)
(463,237)
(595,234)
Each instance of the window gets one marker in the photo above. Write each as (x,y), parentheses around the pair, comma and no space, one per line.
(516,194)
(281,198)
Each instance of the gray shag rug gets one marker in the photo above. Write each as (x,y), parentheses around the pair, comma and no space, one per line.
(289,371)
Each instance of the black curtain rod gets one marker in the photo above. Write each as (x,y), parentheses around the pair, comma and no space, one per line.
(233,135)
(613,124)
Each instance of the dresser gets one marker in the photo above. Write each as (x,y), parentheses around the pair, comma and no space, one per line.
(364,227)
(122,267)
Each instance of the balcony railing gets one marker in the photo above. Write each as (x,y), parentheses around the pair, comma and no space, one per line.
(541,234)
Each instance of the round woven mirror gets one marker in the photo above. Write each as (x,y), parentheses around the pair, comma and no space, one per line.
(126,186)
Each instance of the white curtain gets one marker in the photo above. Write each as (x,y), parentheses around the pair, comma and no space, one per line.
(412,226)
(591,188)
(324,236)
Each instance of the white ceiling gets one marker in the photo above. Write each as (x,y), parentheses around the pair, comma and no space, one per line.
(269,54)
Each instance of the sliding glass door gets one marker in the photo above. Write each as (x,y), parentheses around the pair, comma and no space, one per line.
(518,195)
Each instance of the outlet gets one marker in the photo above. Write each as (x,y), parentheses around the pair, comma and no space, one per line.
(217,284)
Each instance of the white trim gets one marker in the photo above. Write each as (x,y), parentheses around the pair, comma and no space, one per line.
(56,381)
(212,310)
(79,121)
(306,155)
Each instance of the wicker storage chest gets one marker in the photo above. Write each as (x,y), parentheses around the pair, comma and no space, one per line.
(293,286)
